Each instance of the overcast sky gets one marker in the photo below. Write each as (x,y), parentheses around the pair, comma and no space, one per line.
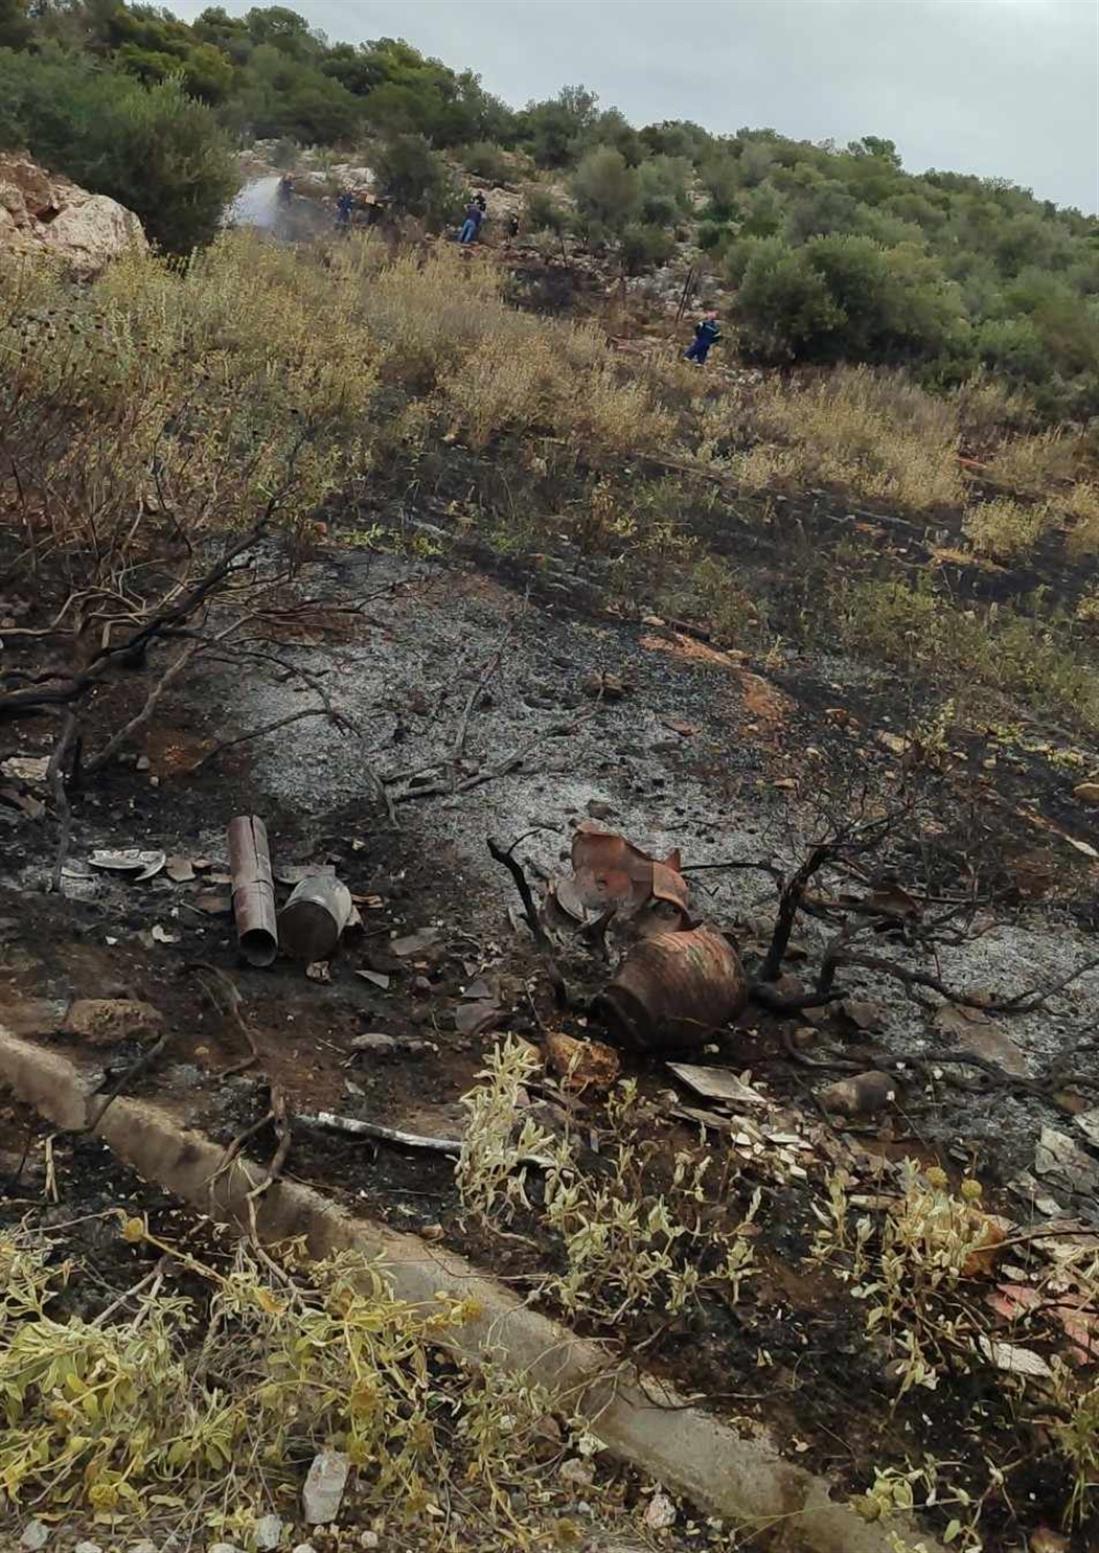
(1005,88)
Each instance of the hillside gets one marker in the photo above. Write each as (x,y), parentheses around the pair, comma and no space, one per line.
(673,1120)
(836,253)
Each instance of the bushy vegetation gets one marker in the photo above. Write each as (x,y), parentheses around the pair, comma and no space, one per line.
(221,383)
(837,253)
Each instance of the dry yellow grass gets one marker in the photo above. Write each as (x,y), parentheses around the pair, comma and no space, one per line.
(1032,464)
(1007,530)
(873,435)
(1081,507)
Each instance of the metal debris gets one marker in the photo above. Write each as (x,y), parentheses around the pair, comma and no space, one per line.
(253,890)
(672,991)
(717,1084)
(133,861)
(313,920)
(609,872)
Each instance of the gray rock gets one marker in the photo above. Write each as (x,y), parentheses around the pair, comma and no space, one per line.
(305,1547)
(324,1487)
(35,1536)
(268,1533)
(87,1547)
(144,1547)
(222,1547)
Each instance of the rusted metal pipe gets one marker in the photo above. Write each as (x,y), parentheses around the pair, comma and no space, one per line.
(253,890)
(313,919)
(672,991)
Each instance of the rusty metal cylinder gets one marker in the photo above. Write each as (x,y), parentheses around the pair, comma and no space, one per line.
(673,991)
(313,919)
(253,890)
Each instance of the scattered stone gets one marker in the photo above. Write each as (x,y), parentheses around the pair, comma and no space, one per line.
(324,1487)
(268,1533)
(107,1021)
(180,870)
(305,1547)
(1056,1155)
(580,1473)
(476,1018)
(35,1536)
(368,1539)
(1087,792)
(26,768)
(863,1014)
(1043,1540)
(143,763)
(1088,1123)
(142,1547)
(599,810)
(892,742)
(862,1095)
(375,978)
(377,1044)
(87,1547)
(660,1513)
(222,1547)
(605,686)
(414,943)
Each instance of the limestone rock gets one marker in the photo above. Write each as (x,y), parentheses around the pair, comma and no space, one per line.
(268,1533)
(324,1487)
(43,212)
(35,1536)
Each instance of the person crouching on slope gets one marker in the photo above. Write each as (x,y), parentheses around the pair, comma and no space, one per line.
(707,333)
(472,223)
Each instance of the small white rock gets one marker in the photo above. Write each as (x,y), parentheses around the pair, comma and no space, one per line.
(87,1547)
(660,1513)
(305,1547)
(324,1487)
(581,1473)
(368,1539)
(145,1547)
(268,1533)
(35,1536)
(222,1547)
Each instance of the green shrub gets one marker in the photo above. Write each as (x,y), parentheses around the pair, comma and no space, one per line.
(486,161)
(415,179)
(606,191)
(784,307)
(543,214)
(155,149)
(643,246)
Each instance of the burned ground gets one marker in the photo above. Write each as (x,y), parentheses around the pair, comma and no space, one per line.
(692,746)
(500,635)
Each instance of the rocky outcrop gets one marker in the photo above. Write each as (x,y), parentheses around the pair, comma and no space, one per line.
(47,212)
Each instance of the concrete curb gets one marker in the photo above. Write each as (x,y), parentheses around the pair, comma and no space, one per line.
(742,1479)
